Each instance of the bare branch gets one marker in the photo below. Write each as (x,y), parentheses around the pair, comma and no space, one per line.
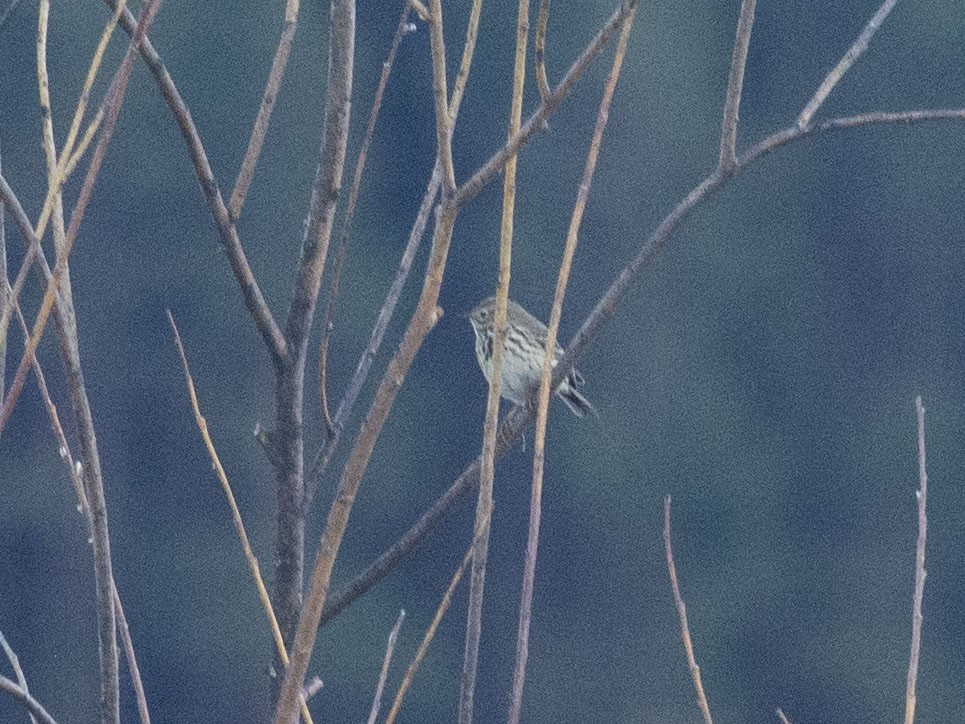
(682,614)
(401,30)
(254,300)
(430,634)
(247,172)
(856,50)
(735,85)
(383,675)
(33,707)
(125,633)
(916,618)
(484,501)
(542,410)
(537,121)
(402,273)
(236,519)
(540,50)
(440,95)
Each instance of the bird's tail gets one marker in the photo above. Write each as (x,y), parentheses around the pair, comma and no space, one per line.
(575,401)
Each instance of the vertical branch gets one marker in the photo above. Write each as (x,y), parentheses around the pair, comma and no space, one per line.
(405,264)
(426,315)
(682,614)
(400,31)
(484,502)
(290,379)
(93,480)
(735,84)
(542,410)
(541,82)
(440,96)
(4,292)
(384,673)
(916,619)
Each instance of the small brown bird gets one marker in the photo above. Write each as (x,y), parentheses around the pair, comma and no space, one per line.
(523,353)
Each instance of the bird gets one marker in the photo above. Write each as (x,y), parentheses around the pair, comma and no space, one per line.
(523,352)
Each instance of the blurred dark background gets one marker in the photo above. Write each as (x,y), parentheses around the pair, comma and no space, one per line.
(762,372)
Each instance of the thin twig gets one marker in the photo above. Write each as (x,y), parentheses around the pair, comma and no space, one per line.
(384,673)
(735,85)
(272,88)
(430,634)
(542,410)
(6,13)
(857,49)
(354,388)
(440,96)
(540,50)
(33,707)
(74,474)
(236,519)
(128,643)
(537,120)
(682,614)
(15,665)
(254,300)
(484,502)
(401,30)
(916,617)
(385,314)
(426,315)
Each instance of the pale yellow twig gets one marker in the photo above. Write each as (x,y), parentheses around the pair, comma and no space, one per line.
(235,513)
(430,632)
